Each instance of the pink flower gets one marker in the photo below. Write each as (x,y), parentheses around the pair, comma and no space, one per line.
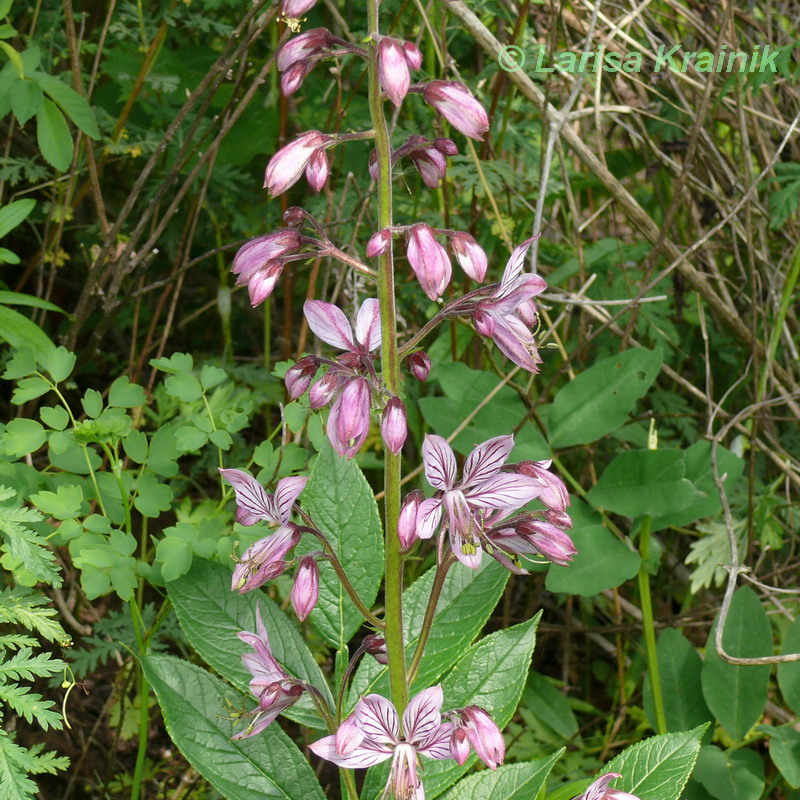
(393,71)
(475,727)
(394,427)
(379,243)
(372,735)
(305,590)
(274,688)
(419,365)
(294,9)
(259,263)
(330,324)
(552,491)
(599,790)
(289,163)
(482,487)
(407,521)
(429,260)
(264,560)
(303,47)
(537,534)
(458,106)
(348,421)
(470,255)
(504,316)
(428,158)
(299,376)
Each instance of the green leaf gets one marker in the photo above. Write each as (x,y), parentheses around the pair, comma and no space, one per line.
(549,705)
(784,750)
(64,503)
(641,482)
(175,555)
(599,399)
(19,299)
(92,402)
(211,376)
(175,364)
(135,444)
(19,332)
(27,553)
(26,99)
(14,58)
(340,501)
(679,668)
(221,439)
(55,417)
(659,767)
(189,438)
(468,598)
(509,782)
(211,616)
(152,496)
(733,775)
(53,136)
(29,389)
(124,394)
(12,215)
(70,102)
(59,363)
(602,562)
(31,610)
(737,695)
(184,387)
(22,363)
(194,706)
(789,674)
(23,436)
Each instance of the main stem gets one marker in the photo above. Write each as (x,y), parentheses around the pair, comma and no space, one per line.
(390,363)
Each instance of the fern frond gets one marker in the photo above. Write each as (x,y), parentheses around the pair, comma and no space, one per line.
(31,705)
(22,606)
(14,763)
(26,666)
(14,641)
(27,547)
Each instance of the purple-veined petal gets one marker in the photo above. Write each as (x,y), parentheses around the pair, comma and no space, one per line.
(439,461)
(429,516)
(423,715)
(514,266)
(459,514)
(503,491)
(251,495)
(329,323)
(368,324)
(365,755)
(377,718)
(516,342)
(522,291)
(598,789)
(486,460)
(438,745)
(286,493)
(348,736)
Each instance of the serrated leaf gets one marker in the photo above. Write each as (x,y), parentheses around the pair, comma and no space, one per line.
(599,399)
(659,767)
(342,506)
(31,610)
(64,503)
(211,616)
(509,782)
(194,704)
(23,665)
(26,99)
(53,136)
(31,706)
(737,695)
(70,102)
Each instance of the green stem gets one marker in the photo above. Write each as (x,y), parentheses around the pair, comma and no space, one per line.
(649,627)
(143,692)
(390,364)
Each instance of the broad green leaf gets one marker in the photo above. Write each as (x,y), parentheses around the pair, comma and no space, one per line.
(70,102)
(175,364)
(55,417)
(509,782)
(342,506)
(135,444)
(491,674)
(29,389)
(602,562)
(211,616)
(59,364)
(175,557)
(737,695)
(189,438)
(679,667)
(784,750)
(789,674)
(733,775)
(64,503)
(14,58)
(641,482)
(92,402)
(53,136)
(468,598)
(697,469)
(211,376)
(184,387)
(12,215)
(22,436)
(152,496)
(196,706)
(19,332)
(26,99)
(124,394)
(20,299)
(549,705)
(600,398)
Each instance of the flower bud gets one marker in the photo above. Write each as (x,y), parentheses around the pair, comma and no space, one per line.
(413,55)
(484,736)
(407,521)
(348,421)
(292,79)
(295,217)
(379,243)
(253,255)
(484,323)
(393,69)
(294,9)
(457,105)
(262,283)
(375,646)
(552,491)
(299,48)
(429,260)
(305,590)
(323,390)
(459,745)
(298,377)
(394,427)
(287,165)
(419,365)
(447,147)
(470,255)
(318,170)
(550,541)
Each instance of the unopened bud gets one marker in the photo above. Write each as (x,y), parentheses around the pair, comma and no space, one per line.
(394,427)
(379,243)
(419,365)
(407,521)
(375,646)
(305,590)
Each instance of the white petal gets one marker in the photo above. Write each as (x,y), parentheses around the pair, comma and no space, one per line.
(423,715)
(329,323)
(487,459)
(439,461)
(504,491)
(362,756)
(368,324)
(377,718)
(250,494)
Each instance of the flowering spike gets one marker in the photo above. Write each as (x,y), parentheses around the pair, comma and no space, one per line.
(394,427)
(458,106)
(470,255)
(305,590)
(393,70)
(419,365)
(429,260)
